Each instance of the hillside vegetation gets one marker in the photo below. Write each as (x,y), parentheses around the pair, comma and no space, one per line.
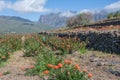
(19,25)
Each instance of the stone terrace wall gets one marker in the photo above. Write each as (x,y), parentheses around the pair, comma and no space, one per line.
(107,41)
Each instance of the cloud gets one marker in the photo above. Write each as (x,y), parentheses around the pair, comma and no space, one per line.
(113,7)
(85,11)
(68,13)
(26,5)
(2,5)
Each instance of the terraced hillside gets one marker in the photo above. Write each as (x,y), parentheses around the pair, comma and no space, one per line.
(105,39)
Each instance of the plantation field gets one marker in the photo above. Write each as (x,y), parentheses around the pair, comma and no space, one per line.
(43,57)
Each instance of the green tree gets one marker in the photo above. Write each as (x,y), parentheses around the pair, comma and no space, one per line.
(81,19)
(117,14)
(111,15)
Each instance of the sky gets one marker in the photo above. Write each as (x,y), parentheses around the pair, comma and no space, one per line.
(32,9)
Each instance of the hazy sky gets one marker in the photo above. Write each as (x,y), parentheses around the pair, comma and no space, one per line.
(32,9)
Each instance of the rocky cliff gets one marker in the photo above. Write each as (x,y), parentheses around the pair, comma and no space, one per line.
(53,19)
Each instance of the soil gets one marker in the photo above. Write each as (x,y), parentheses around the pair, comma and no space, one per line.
(14,65)
(103,66)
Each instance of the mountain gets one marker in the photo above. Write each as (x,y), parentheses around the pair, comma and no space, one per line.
(59,19)
(13,24)
(100,15)
(53,19)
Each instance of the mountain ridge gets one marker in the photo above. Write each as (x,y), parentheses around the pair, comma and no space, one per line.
(10,24)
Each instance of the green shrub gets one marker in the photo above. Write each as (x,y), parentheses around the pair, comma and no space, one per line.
(31,45)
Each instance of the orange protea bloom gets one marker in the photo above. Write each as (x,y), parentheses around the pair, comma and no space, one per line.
(55,67)
(77,67)
(67,61)
(46,72)
(50,65)
(90,75)
(23,68)
(1,74)
(60,65)
(31,67)
(3,57)
(9,53)
(68,46)
(85,70)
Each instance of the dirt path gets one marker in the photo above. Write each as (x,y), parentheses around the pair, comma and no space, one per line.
(14,63)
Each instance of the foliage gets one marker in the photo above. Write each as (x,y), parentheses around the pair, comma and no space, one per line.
(81,19)
(9,44)
(31,45)
(65,44)
(44,57)
(66,71)
(113,15)
(41,47)
(110,16)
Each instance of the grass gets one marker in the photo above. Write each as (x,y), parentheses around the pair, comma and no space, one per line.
(3,64)
(8,45)
(6,73)
(66,70)
(41,48)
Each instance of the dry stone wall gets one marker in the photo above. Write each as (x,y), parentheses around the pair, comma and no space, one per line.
(107,41)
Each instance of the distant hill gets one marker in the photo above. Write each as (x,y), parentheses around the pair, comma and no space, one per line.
(13,24)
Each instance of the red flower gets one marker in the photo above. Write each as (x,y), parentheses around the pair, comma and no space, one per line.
(3,57)
(46,72)
(50,65)
(1,74)
(67,61)
(55,67)
(31,67)
(90,75)
(23,68)
(60,65)
(85,70)
(77,67)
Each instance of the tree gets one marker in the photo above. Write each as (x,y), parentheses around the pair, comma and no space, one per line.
(71,21)
(81,19)
(85,18)
(113,15)
(110,16)
(117,14)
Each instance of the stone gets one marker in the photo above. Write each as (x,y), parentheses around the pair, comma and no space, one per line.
(102,63)
(57,52)
(93,59)
(116,71)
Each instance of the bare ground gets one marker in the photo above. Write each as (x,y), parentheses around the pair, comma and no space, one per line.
(14,67)
(103,66)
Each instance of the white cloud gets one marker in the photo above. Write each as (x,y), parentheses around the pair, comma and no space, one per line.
(2,5)
(85,11)
(68,13)
(114,6)
(25,5)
